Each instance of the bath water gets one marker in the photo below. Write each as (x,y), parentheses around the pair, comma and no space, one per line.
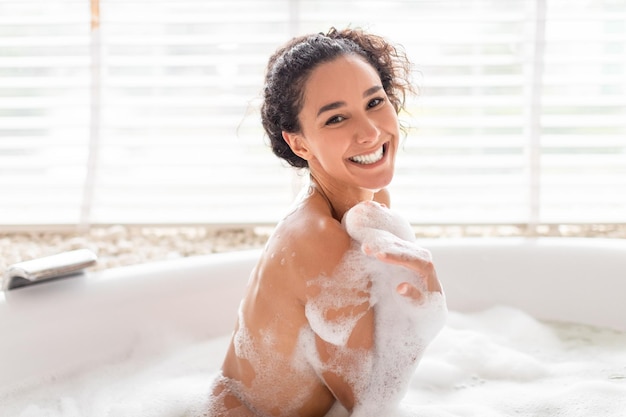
(498,362)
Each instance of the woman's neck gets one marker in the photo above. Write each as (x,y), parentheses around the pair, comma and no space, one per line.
(339,199)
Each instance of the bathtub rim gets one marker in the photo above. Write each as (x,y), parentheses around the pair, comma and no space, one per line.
(69,338)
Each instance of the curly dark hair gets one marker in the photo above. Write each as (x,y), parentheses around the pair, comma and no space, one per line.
(291,65)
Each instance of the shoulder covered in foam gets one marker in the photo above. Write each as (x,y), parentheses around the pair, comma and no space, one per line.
(370,217)
(380,229)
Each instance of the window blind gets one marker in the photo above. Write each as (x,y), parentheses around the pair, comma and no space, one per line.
(44,110)
(180,140)
(583,118)
(153,118)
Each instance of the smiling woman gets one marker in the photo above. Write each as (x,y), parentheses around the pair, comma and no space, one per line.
(320,327)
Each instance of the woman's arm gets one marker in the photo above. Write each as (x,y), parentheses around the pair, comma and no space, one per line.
(349,364)
(322,268)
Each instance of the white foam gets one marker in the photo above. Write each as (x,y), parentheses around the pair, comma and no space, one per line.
(573,371)
(259,351)
(371,217)
(143,386)
(345,293)
(503,362)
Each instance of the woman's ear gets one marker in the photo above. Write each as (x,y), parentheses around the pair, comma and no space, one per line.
(297,143)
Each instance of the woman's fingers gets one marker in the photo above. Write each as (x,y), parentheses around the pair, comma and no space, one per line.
(398,250)
(407,290)
(418,260)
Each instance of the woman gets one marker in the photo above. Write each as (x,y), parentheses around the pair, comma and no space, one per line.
(331,104)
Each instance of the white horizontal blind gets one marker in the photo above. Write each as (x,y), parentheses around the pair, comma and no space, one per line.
(583,119)
(521,116)
(522,111)
(44,110)
(180,138)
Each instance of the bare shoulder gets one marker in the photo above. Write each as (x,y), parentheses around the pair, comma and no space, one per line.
(305,245)
(318,244)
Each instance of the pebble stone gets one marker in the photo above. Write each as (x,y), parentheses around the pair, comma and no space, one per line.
(127,245)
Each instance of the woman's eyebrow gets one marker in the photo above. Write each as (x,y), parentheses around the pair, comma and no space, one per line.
(331,106)
(372,90)
(337,104)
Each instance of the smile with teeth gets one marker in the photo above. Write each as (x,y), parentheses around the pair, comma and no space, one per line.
(369,158)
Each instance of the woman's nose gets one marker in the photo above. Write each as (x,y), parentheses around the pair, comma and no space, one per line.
(367,131)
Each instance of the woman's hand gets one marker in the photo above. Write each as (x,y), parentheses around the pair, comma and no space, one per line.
(410,256)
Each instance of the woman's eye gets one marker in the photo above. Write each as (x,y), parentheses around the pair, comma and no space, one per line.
(374,102)
(335,119)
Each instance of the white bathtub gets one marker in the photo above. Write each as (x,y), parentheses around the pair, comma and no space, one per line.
(49,330)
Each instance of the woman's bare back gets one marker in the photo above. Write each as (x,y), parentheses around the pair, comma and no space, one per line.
(306,333)
(268,368)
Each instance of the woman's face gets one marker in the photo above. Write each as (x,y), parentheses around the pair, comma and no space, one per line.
(349,129)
